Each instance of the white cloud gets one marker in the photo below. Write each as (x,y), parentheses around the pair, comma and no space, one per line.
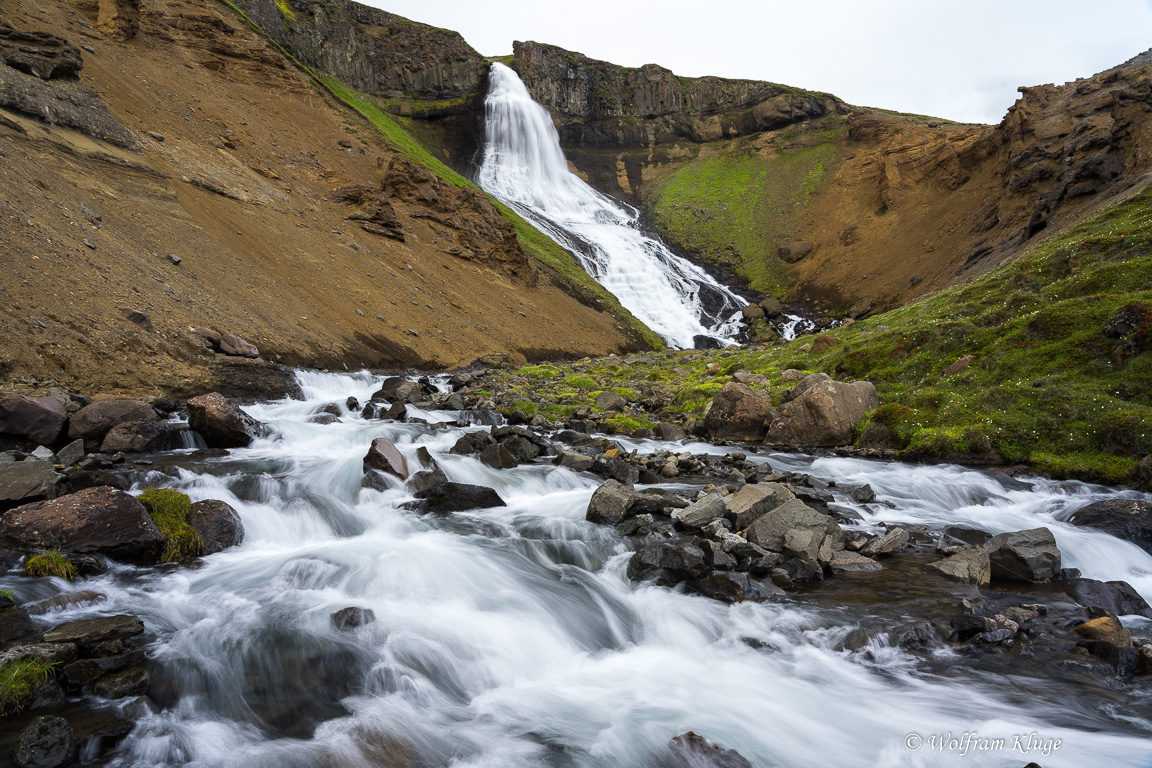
(961,61)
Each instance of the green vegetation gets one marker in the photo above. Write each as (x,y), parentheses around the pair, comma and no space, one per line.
(169,510)
(736,206)
(286,10)
(18,680)
(1045,386)
(50,563)
(8,594)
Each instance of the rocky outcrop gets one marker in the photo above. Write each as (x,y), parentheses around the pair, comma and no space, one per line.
(822,413)
(599,104)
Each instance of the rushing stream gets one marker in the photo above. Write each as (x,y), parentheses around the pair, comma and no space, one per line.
(512,637)
(525,168)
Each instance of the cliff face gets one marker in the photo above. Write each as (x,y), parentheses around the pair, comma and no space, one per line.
(599,104)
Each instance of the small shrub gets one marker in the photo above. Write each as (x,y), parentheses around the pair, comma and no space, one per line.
(623,425)
(50,563)
(526,407)
(18,680)
(582,381)
(169,510)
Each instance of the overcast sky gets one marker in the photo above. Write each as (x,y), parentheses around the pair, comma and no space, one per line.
(958,60)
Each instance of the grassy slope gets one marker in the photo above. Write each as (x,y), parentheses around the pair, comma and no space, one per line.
(735,205)
(539,246)
(1043,388)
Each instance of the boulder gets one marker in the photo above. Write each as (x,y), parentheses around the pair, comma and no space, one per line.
(852,562)
(221,422)
(93,422)
(610,401)
(457,497)
(792,374)
(23,482)
(236,346)
(1126,518)
(384,456)
(577,462)
(48,653)
(737,413)
(353,618)
(138,316)
(1115,597)
(823,414)
(499,457)
(823,343)
(85,671)
(143,437)
(48,742)
(610,503)
(891,541)
(752,312)
(15,623)
(218,525)
(690,750)
(39,420)
(1106,638)
(971,566)
(471,442)
(768,530)
(1030,555)
(667,431)
(793,252)
(734,587)
(772,307)
(71,453)
(99,520)
(754,500)
(702,512)
(122,684)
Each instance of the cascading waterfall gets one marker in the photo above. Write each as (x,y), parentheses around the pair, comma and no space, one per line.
(525,168)
(511,637)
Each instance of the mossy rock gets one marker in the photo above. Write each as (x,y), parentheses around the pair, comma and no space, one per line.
(169,510)
(50,563)
(19,680)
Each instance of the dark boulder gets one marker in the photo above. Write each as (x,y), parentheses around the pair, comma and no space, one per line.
(23,482)
(737,412)
(497,457)
(1126,518)
(85,671)
(39,420)
(99,520)
(90,633)
(218,525)
(15,623)
(122,684)
(352,618)
(93,422)
(385,457)
(734,587)
(1117,598)
(221,422)
(48,742)
(471,442)
(610,503)
(690,750)
(457,497)
(143,437)
(1030,555)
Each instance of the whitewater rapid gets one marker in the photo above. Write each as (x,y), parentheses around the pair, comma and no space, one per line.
(525,168)
(512,638)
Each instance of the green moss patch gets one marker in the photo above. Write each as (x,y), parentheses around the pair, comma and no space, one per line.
(18,681)
(50,563)
(169,510)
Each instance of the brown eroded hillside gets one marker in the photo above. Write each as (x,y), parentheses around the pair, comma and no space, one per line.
(131,131)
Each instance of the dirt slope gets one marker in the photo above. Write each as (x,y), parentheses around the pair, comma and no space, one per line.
(230,160)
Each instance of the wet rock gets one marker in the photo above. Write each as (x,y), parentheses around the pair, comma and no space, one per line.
(701,512)
(1126,518)
(353,618)
(122,684)
(737,412)
(754,500)
(852,562)
(93,422)
(39,420)
(617,469)
(1117,598)
(666,431)
(24,482)
(577,462)
(497,457)
(85,671)
(143,437)
(99,520)
(15,624)
(49,653)
(972,566)
(734,587)
(521,449)
(88,633)
(471,443)
(218,525)
(1030,555)
(690,750)
(221,422)
(385,457)
(48,742)
(891,541)
(1107,639)
(610,503)
(824,414)
(864,494)
(457,497)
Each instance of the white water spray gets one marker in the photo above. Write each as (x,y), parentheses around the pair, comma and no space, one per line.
(525,168)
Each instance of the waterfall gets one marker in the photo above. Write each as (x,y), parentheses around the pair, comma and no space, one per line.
(525,168)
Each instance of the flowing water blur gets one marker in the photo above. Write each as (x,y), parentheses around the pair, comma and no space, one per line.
(512,637)
(525,168)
